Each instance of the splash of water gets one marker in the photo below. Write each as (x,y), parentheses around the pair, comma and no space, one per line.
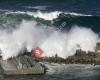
(50,40)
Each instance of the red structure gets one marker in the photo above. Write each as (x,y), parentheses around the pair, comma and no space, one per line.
(37,52)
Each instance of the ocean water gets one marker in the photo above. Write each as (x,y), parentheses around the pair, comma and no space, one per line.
(63,72)
(60,14)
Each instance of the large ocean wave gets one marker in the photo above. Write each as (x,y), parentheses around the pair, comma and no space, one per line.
(60,33)
(55,18)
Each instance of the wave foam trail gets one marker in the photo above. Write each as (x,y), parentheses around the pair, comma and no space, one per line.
(77,14)
(39,14)
(29,35)
(47,16)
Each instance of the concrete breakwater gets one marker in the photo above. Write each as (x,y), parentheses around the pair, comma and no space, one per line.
(21,65)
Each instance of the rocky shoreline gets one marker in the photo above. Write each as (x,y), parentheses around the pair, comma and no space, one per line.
(80,57)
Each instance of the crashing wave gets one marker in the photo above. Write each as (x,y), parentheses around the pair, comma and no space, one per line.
(46,15)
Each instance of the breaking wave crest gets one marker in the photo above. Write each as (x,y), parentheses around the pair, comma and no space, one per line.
(20,30)
(29,35)
(47,15)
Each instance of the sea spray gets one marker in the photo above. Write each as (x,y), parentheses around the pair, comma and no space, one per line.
(29,35)
(66,44)
(81,38)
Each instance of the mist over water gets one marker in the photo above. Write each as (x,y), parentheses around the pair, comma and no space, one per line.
(29,35)
(66,44)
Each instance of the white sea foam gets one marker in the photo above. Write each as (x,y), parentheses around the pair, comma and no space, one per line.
(39,14)
(46,15)
(66,44)
(50,40)
(77,14)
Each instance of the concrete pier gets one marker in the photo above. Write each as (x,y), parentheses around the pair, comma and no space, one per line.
(21,65)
